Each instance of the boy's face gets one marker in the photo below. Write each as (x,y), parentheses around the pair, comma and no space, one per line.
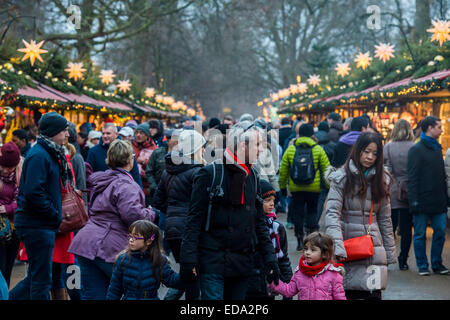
(269,204)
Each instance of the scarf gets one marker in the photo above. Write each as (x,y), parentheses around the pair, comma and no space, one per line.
(239,173)
(430,141)
(58,153)
(274,235)
(11,179)
(314,270)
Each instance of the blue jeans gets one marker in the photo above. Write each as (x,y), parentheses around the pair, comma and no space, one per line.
(95,277)
(438,223)
(39,244)
(217,287)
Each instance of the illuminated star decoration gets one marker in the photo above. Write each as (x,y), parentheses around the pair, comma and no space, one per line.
(107,76)
(384,51)
(302,88)
(342,69)
(314,80)
(441,31)
(363,60)
(149,92)
(75,70)
(32,51)
(124,85)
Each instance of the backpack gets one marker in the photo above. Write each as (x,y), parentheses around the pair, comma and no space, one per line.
(302,170)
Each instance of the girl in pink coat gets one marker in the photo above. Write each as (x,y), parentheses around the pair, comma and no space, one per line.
(317,276)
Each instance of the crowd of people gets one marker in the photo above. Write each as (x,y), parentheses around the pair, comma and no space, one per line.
(209,193)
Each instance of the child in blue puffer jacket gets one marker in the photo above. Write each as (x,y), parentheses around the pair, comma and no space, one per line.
(140,269)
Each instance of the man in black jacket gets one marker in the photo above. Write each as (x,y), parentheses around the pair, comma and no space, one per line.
(219,243)
(427,195)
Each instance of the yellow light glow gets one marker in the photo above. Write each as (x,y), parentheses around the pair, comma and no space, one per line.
(302,88)
(384,51)
(107,76)
(75,70)
(149,92)
(441,31)
(32,51)
(363,60)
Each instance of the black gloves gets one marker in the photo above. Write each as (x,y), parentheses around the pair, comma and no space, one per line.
(186,273)
(273,272)
(284,192)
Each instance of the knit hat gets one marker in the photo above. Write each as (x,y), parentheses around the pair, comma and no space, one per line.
(190,141)
(334,116)
(145,128)
(10,155)
(306,130)
(94,135)
(213,122)
(266,189)
(131,123)
(52,123)
(323,126)
(126,132)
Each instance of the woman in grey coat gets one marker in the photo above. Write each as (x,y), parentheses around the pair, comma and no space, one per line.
(396,162)
(353,188)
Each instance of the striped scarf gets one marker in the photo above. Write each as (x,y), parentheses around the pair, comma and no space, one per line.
(274,235)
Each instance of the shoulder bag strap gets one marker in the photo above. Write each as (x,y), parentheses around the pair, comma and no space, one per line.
(370,218)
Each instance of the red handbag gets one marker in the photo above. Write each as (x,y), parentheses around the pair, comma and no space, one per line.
(74,215)
(360,247)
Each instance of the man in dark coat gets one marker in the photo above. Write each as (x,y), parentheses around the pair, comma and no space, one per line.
(20,138)
(218,245)
(334,122)
(427,195)
(346,142)
(39,207)
(97,155)
(285,130)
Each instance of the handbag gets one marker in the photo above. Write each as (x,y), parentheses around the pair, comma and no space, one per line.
(360,247)
(74,215)
(402,186)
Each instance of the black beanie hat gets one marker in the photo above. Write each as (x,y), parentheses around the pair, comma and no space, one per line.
(323,126)
(52,123)
(267,190)
(213,122)
(306,130)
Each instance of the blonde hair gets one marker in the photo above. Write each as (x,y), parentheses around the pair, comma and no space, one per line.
(72,150)
(402,131)
(119,154)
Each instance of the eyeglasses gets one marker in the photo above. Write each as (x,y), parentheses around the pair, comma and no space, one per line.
(134,238)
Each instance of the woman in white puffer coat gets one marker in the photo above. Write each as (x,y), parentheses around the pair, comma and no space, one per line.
(353,187)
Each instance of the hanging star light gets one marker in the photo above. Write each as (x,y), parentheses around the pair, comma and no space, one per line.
(32,51)
(75,70)
(314,80)
(107,76)
(384,51)
(302,88)
(124,85)
(342,69)
(149,92)
(363,60)
(441,31)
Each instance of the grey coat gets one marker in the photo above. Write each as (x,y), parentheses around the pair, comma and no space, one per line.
(344,221)
(396,162)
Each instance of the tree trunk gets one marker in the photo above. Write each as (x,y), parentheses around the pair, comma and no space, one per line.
(422,20)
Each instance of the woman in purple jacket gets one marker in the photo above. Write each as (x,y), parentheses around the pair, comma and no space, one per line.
(10,169)
(115,202)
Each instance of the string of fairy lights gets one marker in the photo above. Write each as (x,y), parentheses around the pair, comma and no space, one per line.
(383,51)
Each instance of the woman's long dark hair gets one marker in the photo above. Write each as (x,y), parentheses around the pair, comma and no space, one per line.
(380,189)
(147,229)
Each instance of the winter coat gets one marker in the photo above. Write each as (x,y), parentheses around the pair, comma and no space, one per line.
(174,194)
(396,162)
(155,168)
(284,133)
(234,231)
(321,164)
(335,132)
(427,186)
(143,152)
(133,278)
(39,200)
(328,146)
(267,168)
(97,159)
(326,285)
(257,285)
(115,202)
(8,195)
(343,148)
(344,221)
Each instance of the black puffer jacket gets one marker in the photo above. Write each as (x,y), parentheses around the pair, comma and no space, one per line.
(155,168)
(174,194)
(228,246)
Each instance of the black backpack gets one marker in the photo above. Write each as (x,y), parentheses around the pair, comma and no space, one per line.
(302,170)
